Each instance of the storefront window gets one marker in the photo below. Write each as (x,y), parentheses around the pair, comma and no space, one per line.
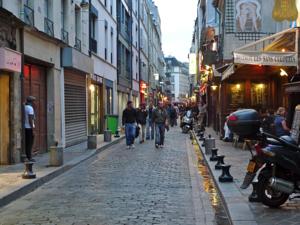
(236,95)
(109,100)
(259,95)
(95,109)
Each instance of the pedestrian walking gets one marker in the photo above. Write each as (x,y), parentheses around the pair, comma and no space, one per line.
(142,120)
(177,113)
(150,123)
(172,115)
(29,127)
(280,124)
(160,119)
(129,121)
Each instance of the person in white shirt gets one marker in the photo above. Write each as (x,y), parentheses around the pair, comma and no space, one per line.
(29,126)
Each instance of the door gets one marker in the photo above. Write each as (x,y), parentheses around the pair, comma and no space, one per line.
(4,119)
(35,85)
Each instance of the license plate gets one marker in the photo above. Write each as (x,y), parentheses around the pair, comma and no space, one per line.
(251,166)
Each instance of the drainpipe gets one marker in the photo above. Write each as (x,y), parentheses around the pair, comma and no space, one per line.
(22,94)
(139,48)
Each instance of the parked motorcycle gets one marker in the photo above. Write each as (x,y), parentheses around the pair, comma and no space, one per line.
(186,123)
(277,160)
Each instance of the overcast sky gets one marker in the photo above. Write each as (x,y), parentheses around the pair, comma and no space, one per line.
(177,18)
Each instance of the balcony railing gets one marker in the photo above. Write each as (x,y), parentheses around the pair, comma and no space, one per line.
(77,44)
(64,36)
(93,45)
(48,27)
(28,15)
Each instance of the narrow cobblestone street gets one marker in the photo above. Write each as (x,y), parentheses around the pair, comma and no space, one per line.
(118,186)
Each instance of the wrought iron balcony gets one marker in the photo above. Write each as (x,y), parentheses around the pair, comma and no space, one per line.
(93,45)
(48,26)
(64,36)
(77,44)
(28,15)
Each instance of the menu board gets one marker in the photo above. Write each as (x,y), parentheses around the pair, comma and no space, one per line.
(295,130)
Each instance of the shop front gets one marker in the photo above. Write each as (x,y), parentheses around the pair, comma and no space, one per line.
(10,63)
(259,74)
(77,67)
(96,106)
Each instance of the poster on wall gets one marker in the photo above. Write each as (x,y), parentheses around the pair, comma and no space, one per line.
(248,15)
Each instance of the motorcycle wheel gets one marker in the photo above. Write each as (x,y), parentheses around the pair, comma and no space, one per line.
(185,129)
(268,196)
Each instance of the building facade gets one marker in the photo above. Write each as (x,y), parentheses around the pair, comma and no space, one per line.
(179,76)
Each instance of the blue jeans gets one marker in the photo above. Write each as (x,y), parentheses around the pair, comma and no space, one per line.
(130,133)
(150,129)
(159,133)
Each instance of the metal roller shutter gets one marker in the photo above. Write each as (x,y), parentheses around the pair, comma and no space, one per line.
(75,108)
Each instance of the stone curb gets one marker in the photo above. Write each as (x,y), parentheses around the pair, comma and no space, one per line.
(203,214)
(236,208)
(34,184)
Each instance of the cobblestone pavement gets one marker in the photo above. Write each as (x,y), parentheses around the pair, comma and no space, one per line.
(288,214)
(118,186)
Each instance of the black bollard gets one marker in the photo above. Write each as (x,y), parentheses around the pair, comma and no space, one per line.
(117,134)
(214,154)
(225,177)
(191,135)
(220,159)
(201,137)
(253,197)
(28,173)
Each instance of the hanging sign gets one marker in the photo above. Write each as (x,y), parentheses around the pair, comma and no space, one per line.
(266,58)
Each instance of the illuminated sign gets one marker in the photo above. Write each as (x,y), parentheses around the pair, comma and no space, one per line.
(193,64)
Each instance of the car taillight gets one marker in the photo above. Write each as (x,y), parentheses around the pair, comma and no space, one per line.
(232,118)
(258,149)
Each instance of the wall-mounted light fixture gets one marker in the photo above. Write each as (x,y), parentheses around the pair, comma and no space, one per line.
(283,73)
(214,87)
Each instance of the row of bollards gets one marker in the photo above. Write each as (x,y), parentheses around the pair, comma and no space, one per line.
(210,149)
(225,177)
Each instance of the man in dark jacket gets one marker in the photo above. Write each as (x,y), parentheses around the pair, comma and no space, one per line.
(142,120)
(160,119)
(129,121)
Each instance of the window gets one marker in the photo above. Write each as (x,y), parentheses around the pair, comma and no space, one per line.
(48,9)
(105,38)
(111,44)
(77,21)
(111,7)
(109,100)
(62,14)
(259,95)
(105,3)
(236,94)
(30,3)
(93,27)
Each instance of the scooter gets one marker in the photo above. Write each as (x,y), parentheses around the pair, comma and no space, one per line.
(277,162)
(187,122)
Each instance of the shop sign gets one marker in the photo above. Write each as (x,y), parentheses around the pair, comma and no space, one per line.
(193,64)
(10,60)
(97,78)
(266,58)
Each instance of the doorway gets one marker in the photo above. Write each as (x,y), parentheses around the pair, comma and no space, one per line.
(35,85)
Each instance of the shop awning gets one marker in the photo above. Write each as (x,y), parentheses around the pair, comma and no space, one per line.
(228,72)
(279,49)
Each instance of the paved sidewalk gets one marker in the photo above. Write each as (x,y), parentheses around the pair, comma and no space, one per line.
(12,186)
(243,212)
(143,186)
